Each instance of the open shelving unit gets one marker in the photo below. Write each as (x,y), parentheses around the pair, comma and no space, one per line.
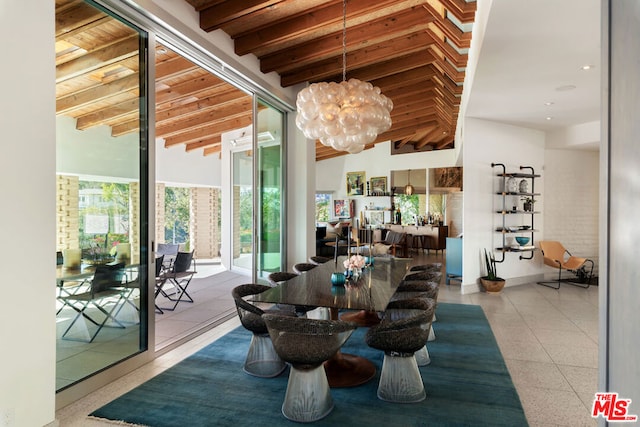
(510,210)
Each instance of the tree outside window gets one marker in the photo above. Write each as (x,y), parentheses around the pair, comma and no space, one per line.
(323,207)
(177,214)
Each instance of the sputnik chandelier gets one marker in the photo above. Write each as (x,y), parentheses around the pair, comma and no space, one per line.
(346,115)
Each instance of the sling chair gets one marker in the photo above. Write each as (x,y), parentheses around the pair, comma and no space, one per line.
(556,256)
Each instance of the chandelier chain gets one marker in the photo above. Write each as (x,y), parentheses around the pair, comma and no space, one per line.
(344,40)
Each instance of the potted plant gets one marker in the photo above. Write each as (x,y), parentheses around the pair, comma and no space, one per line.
(528,203)
(491,282)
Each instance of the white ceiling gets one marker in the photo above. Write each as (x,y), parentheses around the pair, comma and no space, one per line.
(530,51)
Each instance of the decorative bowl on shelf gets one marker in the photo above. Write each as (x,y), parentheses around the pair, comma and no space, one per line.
(522,240)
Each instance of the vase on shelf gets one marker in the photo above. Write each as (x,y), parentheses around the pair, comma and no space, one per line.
(523,186)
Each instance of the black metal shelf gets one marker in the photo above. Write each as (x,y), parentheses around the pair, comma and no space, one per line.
(506,230)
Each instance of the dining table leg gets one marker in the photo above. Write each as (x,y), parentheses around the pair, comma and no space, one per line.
(347,370)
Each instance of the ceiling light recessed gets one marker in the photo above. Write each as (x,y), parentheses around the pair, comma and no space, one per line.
(549,118)
(565,88)
(548,103)
(587,67)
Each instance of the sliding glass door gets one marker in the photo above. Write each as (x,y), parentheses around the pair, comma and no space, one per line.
(242,208)
(102,191)
(270,192)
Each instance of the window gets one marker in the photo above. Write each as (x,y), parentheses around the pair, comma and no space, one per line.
(323,203)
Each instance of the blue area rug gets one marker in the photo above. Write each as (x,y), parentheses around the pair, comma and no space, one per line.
(467,384)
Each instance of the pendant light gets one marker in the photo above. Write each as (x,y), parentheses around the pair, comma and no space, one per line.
(345,116)
(408,189)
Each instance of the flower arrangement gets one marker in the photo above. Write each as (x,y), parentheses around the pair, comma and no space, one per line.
(355,262)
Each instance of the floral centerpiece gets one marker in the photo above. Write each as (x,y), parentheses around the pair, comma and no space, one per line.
(354,265)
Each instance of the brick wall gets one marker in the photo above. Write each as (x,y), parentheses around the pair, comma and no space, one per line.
(204,231)
(571,200)
(67,217)
(160,218)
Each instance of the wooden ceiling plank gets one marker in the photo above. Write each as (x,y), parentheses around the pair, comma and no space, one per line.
(316,23)
(268,16)
(429,137)
(461,39)
(72,20)
(401,132)
(172,112)
(173,67)
(404,79)
(448,141)
(207,131)
(211,116)
(214,140)
(215,16)
(392,67)
(460,60)
(125,128)
(211,150)
(385,52)
(99,58)
(464,11)
(368,33)
(73,32)
(199,5)
(189,88)
(98,117)
(77,100)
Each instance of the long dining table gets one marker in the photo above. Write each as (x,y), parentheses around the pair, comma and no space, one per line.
(371,292)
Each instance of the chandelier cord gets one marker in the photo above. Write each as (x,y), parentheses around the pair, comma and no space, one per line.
(344,40)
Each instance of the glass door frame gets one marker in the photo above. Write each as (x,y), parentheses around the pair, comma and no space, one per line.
(257,226)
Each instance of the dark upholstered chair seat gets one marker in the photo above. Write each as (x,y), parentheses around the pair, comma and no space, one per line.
(433,276)
(319,260)
(403,336)
(434,266)
(303,267)
(278,277)
(421,286)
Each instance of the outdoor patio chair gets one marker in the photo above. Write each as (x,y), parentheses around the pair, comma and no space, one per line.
(170,252)
(105,294)
(179,276)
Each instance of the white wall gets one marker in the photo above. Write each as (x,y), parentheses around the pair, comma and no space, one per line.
(27,216)
(331,174)
(485,143)
(571,201)
(175,166)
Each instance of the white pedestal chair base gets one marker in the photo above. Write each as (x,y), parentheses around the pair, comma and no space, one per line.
(262,359)
(422,356)
(320,313)
(400,380)
(432,335)
(308,397)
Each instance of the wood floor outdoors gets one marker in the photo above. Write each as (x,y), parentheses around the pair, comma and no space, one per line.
(548,338)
